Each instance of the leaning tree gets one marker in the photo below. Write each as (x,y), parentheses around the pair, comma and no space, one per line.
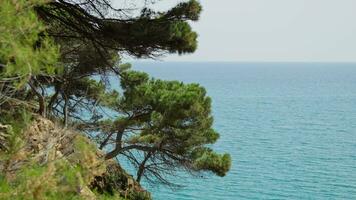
(159,126)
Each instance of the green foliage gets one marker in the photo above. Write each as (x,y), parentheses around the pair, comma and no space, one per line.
(160,126)
(18,118)
(17,121)
(171,109)
(185,10)
(206,159)
(92,90)
(59,179)
(172,123)
(85,159)
(22,51)
(53,181)
(4,186)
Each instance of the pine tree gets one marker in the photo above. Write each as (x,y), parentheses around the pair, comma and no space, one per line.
(160,126)
(168,123)
(21,56)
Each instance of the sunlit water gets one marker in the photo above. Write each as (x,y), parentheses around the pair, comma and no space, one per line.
(290,128)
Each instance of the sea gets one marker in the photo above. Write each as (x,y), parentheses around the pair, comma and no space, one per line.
(289,127)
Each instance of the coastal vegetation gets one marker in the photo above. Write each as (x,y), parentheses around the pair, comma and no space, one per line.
(63,125)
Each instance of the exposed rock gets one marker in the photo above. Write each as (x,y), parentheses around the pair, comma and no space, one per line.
(4,134)
(44,143)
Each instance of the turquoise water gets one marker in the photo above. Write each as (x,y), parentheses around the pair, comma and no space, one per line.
(290,128)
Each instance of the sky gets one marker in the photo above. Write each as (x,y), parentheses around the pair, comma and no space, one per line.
(273,31)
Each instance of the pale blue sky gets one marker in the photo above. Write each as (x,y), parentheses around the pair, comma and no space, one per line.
(274,30)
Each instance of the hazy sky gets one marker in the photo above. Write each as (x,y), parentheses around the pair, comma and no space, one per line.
(275,30)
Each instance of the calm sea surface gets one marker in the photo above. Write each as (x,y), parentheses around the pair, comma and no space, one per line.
(290,128)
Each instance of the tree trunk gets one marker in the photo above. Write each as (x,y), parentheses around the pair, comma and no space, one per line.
(51,102)
(42,110)
(65,110)
(118,145)
(105,142)
(41,100)
(141,168)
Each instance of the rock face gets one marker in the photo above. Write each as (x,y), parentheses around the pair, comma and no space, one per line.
(3,137)
(116,179)
(64,154)
(42,142)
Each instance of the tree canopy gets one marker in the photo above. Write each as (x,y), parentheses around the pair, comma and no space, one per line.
(64,54)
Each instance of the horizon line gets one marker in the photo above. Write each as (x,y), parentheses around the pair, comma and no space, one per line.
(275,62)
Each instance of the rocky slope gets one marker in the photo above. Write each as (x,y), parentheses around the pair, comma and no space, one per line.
(45,161)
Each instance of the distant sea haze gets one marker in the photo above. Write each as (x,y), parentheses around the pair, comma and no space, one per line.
(290,128)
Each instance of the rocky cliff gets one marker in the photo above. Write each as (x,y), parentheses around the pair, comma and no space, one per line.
(45,161)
